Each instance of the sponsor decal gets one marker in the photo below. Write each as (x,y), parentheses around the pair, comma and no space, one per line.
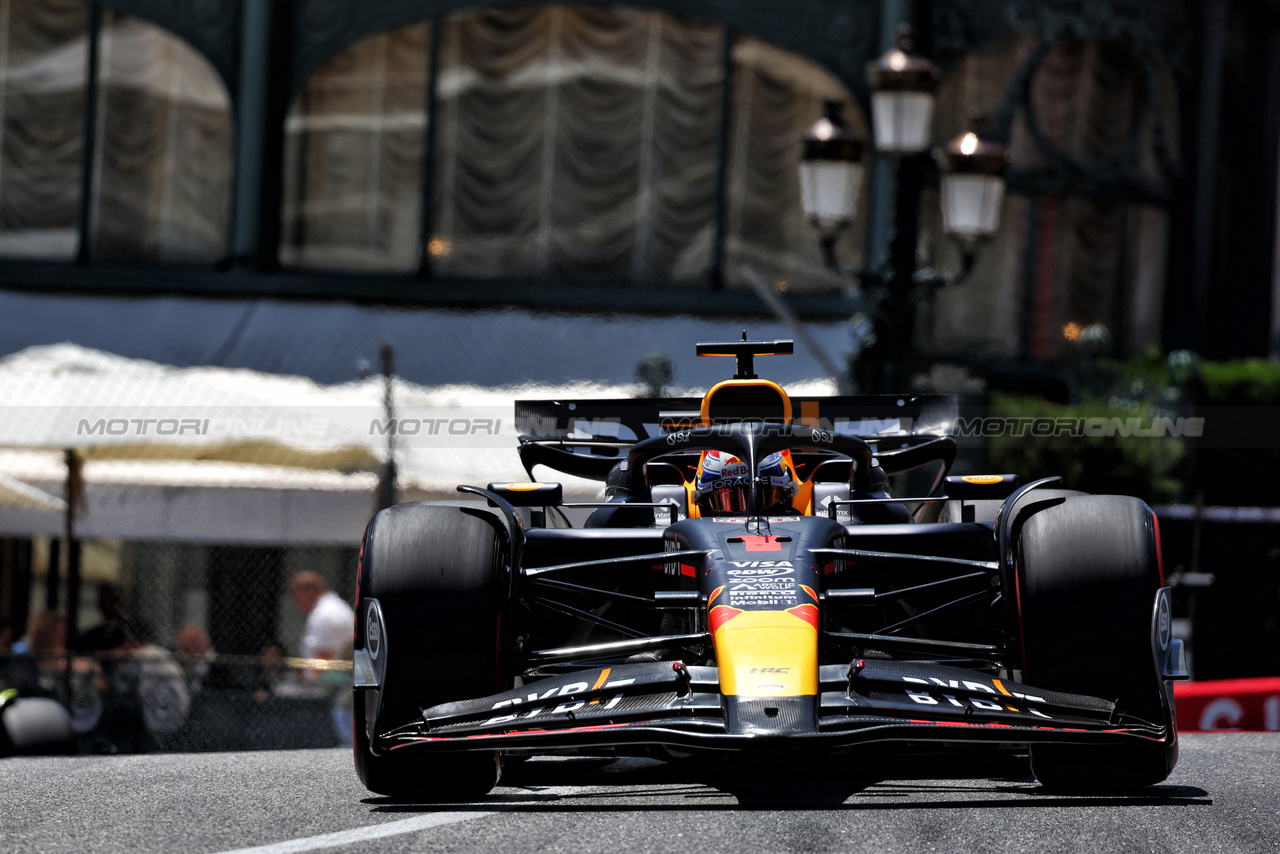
(770,686)
(927,698)
(771,670)
(547,704)
(742,520)
(760,568)
(522,486)
(982,478)
(373,633)
(756,595)
(678,438)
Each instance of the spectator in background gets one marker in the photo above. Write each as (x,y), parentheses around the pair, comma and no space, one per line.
(107,636)
(195,651)
(47,634)
(47,645)
(149,698)
(37,663)
(328,635)
(46,669)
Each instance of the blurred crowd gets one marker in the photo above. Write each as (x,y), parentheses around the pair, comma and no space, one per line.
(127,693)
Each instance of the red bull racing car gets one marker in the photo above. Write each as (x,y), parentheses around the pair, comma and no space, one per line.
(749,585)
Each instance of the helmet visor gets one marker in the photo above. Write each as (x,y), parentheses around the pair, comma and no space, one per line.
(728,496)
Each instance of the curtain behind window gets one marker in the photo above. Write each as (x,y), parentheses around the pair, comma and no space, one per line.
(163,159)
(42,86)
(777,95)
(577,145)
(353,158)
(573,144)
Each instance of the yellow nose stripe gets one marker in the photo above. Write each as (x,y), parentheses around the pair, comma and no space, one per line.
(767,654)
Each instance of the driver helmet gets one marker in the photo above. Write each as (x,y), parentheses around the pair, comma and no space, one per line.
(724,484)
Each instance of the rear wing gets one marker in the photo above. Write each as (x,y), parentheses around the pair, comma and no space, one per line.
(586,438)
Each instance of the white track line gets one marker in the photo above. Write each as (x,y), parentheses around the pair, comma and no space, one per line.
(395,828)
(362,834)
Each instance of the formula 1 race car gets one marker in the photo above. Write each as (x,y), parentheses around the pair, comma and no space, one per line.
(749,585)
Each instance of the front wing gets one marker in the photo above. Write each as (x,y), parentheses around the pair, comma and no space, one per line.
(667,703)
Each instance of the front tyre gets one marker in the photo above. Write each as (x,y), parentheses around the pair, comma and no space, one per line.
(1088,575)
(436,572)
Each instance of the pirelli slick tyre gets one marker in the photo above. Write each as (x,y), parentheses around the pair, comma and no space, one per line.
(435,572)
(1088,572)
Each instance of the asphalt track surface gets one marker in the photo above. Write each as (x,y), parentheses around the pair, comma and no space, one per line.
(1224,796)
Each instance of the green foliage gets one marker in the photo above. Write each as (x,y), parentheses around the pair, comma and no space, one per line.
(1148,387)
(1241,382)
(1122,465)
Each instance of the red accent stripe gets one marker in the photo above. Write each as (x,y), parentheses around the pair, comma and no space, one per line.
(687,569)
(722,614)
(808,613)
(762,543)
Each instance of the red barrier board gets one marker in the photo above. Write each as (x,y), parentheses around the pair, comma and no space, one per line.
(1228,705)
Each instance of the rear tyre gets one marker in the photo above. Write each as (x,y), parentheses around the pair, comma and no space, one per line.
(1088,576)
(436,573)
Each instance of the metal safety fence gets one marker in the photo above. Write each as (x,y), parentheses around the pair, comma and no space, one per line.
(186,647)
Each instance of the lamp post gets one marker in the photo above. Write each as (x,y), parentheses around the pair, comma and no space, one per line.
(971,174)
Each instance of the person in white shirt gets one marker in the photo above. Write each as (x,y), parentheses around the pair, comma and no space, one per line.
(328,635)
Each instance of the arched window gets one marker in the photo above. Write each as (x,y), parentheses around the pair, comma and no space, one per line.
(161,140)
(582,145)
(353,158)
(162,163)
(42,95)
(777,95)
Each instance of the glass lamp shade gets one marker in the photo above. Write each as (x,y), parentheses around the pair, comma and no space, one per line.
(902,87)
(829,191)
(972,186)
(971,205)
(903,121)
(830,169)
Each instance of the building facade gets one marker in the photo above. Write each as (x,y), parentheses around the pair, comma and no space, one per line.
(597,157)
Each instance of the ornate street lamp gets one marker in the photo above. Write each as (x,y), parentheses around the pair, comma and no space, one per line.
(831,173)
(972,193)
(970,171)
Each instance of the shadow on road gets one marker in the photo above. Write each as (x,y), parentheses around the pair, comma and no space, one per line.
(915,781)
